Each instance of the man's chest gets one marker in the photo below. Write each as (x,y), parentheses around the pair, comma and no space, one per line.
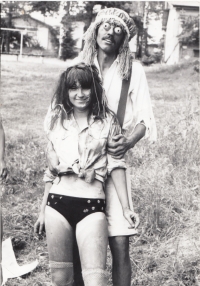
(112,84)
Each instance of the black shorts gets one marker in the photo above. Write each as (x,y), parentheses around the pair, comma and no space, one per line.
(75,209)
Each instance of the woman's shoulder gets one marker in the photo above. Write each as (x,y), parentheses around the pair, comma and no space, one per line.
(53,119)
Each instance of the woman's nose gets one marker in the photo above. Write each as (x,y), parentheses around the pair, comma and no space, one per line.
(80,92)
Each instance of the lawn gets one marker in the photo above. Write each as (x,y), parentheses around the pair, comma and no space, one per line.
(165,175)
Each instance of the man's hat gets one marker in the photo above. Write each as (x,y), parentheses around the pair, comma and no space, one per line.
(116,15)
(121,18)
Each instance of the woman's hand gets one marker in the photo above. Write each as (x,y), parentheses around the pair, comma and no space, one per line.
(3,170)
(39,226)
(131,217)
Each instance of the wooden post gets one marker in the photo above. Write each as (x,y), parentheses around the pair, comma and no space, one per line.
(21,44)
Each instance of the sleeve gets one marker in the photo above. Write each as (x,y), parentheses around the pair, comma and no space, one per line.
(48,176)
(114,163)
(54,112)
(142,107)
(47,121)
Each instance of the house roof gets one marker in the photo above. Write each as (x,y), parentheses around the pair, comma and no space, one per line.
(36,20)
(188,4)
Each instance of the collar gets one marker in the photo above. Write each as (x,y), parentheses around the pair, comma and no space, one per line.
(71,121)
(97,63)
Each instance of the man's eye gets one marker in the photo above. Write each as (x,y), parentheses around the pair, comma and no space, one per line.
(106,26)
(118,30)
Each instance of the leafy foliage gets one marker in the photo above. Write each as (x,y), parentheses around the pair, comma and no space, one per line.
(190,33)
(68,45)
(9,9)
(45,7)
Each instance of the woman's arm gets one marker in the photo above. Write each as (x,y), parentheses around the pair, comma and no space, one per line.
(39,225)
(119,180)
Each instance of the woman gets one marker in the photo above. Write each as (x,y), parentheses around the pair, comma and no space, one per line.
(79,125)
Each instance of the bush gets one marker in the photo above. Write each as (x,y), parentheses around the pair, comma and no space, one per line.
(68,46)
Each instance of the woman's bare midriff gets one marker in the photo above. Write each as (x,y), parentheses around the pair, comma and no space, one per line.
(73,186)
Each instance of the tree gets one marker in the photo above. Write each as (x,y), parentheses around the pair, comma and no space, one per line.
(68,50)
(9,9)
(45,7)
(149,10)
(190,32)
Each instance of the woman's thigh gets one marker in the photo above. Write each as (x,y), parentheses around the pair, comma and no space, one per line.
(59,235)
(92,239)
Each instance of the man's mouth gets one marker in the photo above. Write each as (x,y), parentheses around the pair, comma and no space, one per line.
(109,40)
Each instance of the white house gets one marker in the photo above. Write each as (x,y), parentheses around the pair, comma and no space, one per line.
(39,32)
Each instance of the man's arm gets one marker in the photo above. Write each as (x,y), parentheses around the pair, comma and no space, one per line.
(119,180)
(142,112)
(121,144)
(3,169)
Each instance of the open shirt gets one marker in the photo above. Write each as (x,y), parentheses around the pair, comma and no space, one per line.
(83,149)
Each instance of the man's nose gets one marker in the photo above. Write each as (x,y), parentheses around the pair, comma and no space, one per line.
(111,31)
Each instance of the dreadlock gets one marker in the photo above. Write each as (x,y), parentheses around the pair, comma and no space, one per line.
(121,18)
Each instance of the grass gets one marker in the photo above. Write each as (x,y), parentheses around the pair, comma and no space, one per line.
(165,175)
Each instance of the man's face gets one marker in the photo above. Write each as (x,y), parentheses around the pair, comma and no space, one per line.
(109,38)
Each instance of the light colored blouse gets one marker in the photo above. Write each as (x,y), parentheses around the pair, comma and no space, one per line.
(83,150)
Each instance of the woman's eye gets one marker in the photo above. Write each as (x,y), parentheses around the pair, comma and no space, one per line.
(106,26)
(118,30)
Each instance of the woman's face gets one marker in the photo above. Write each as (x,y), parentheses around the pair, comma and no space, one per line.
(79,97)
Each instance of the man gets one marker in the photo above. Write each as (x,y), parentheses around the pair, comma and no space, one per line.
(3,169)
(106,46)
(3,174)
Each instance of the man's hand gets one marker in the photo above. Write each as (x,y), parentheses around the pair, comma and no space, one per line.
(3,170)
(119,146)
(52,159)
(131,217)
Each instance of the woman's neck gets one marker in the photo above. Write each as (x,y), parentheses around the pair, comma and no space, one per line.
(105,61)
(81,117)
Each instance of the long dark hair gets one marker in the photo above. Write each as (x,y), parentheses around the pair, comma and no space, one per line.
(88,77)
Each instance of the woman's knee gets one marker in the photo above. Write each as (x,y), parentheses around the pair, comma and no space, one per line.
(62,273)
(94,277)
(92,239)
